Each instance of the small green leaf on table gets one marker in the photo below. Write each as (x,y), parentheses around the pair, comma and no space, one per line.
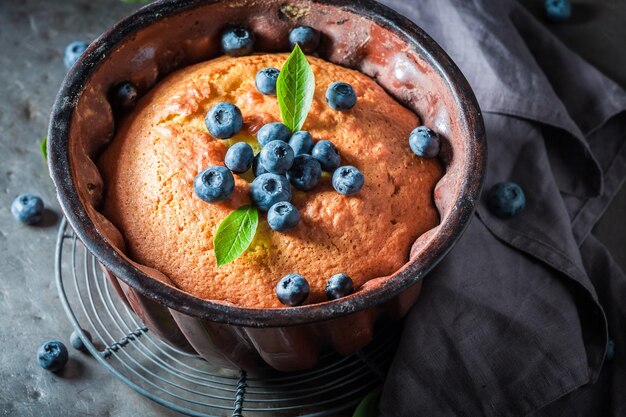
(295,89)
(42,146)
(235,234)
(369,405)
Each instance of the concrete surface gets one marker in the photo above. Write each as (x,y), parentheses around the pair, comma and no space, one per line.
(33,34)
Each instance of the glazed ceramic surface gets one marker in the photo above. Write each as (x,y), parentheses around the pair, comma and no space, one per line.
(168,35)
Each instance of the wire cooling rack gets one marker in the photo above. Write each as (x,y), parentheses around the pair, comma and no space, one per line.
(189,384)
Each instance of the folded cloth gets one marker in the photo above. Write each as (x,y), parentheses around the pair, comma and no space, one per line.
(517,319)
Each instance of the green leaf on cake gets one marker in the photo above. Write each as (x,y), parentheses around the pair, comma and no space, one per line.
(295,89)
(42,146)
(235,234)
(369,405)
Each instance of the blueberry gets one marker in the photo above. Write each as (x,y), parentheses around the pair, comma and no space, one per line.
(424,142)
(338,286)
(257,168)
(327,155)
(348,180)
(301,142)
(273,131)
(238,41)
(224,120)
(214,184)
(283,216)
(558,10)
(77,342)
(341,96)
(73,51)
(305,36)
(27,208)
(276,157)
(269,189)
(266,81)
(305,173)
(52,355)
(293,290)
(506,200)
(125,96)
(239,157)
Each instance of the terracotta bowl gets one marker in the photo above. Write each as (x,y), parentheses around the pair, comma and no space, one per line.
(170,34)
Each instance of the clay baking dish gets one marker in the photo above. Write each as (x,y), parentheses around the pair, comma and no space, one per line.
(170,34)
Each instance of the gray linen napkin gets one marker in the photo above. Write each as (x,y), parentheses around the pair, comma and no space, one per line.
(516,320)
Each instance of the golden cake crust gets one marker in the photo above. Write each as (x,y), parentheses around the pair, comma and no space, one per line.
(159,149)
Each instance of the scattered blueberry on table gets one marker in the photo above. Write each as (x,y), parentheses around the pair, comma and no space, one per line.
(238,41)
(214,184)
(271,132)
(424,142)
(77,343)
(125,96)
(305,173)
(283,216)
(341,96)
(293,290)
(239,157)
(28,208)
(305,36)
(73,51)
(277,157)
(269,189)
(52,356)
(257,168)
(506,200)
(338,286)
(327,155)
(558,10)
(224,120)
(301,142)
(266,81)
(348,180)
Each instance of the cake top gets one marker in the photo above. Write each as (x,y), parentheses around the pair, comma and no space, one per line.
(163,145)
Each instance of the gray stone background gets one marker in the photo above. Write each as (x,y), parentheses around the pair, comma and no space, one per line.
(33,34)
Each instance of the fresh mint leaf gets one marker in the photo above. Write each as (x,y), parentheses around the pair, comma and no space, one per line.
(369,405)
(234,234)
(42,146)
(295,89)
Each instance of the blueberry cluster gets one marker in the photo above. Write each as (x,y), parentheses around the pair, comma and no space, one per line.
(293,289)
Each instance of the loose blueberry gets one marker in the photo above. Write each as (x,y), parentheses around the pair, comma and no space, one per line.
(214,184)
(238,41)
(339,286)
(506,200)
(305,173)
(327,155)
(293,290)
(273,131)
(269,189)
(348,180)
(305,36)
(73,51)
(224,120)
(77,342)
(283,216)
(266,81)
(276,157)
(341,96)
(52,355)
(125,96)
(27,208)
(424,142)
(301,142)
(558,10)
(239,157)
(257,168)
